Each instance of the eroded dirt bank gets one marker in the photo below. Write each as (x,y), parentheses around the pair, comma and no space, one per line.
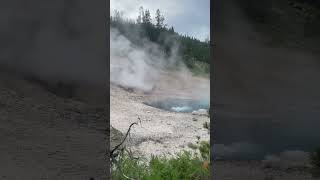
(44,136)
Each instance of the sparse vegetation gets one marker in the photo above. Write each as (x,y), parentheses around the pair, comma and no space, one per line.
(194,164)
(186,165)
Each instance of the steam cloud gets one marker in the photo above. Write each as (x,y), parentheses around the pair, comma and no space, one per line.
(144,67)
(129,65)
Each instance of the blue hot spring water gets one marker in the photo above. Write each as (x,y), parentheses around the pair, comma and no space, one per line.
(180,105)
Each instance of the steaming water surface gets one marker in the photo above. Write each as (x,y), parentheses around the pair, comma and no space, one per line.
(182,109)
(180,105)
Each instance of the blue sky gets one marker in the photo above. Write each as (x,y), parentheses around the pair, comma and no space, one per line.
(190,17)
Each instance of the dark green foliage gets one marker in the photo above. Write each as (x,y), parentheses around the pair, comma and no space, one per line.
(159,19)
(146,19)
(190,49)
(184,166)
(204,149)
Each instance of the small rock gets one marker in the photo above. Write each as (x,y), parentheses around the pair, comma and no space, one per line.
(194,119)
(200,112)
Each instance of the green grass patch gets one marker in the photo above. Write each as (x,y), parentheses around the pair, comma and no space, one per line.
(185,165)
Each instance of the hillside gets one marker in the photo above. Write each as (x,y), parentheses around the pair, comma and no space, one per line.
(193,52)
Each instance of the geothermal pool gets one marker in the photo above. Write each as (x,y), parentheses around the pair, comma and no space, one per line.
(180,104)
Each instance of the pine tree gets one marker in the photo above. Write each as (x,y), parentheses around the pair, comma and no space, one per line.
(147,17)
(159,19)
(141,15)
(118,15)
(171,29)
(190,48)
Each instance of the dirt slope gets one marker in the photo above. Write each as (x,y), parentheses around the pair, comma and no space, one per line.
(44,136)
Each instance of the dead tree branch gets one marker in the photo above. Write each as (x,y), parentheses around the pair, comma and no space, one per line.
(112,155)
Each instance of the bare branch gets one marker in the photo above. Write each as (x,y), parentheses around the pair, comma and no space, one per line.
(117,146)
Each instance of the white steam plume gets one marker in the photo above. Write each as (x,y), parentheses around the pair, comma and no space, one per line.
(129,65)
(148,67)
(140,67)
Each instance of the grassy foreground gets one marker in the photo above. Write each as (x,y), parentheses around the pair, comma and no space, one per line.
(185,165)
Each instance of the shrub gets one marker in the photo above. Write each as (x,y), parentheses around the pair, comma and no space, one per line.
(128,167)
(186,165)
(204,149)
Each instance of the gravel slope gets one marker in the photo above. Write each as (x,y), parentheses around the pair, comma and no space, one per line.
(159,132)
(44,136)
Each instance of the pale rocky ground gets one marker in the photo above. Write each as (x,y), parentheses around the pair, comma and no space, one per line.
(158,131)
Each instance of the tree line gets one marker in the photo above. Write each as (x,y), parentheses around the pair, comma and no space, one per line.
(155,30)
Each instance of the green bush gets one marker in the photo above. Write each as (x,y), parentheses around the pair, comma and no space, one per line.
(204,149)
(186,165)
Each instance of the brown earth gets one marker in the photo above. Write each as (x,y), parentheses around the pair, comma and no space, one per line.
(44,136)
